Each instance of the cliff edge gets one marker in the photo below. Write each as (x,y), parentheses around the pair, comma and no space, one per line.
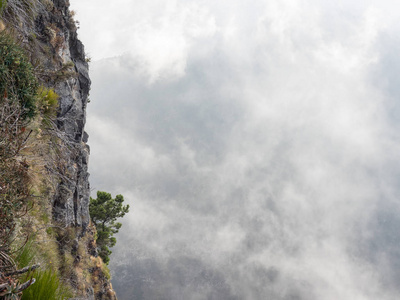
(46,29)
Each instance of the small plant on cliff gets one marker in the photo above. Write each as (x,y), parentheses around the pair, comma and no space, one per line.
(18,81)
(104,212)
(41,282)
(47,105)
(47,286)
(3,3)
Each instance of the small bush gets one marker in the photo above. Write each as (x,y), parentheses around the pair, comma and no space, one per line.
(3,4)
(47,105)
(17,79)
(48,101)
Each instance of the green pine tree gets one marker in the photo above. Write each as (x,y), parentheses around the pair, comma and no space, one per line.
(104,211)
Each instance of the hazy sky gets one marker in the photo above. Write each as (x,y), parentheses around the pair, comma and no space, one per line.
(257,143)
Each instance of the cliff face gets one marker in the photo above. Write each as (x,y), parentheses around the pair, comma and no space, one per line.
(49,32)
(57,28)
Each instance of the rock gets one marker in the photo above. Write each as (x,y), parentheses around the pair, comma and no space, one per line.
(62,56)
(71,202)
(59,57)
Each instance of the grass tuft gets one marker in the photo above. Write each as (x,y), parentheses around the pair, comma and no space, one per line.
(47,286)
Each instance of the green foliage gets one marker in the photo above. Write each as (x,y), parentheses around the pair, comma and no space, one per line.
(47,286)
(106,272)
(104,211)
(3,4)
(26,255)
(17,79)
(47,105)
(48,101)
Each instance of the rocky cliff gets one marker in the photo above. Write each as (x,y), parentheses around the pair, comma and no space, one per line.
(56,27)
(48,31)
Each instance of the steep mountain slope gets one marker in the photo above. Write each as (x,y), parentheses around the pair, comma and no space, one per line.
(56,155)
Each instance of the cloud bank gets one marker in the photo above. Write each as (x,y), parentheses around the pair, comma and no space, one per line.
(257,143)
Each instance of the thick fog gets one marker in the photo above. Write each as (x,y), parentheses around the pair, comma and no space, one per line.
(257,143)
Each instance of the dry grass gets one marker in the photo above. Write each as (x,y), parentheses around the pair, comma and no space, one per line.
(14,175)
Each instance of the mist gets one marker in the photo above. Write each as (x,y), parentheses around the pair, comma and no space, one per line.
(256,142)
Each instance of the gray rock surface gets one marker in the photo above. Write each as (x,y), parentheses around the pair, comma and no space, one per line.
(71,203)
(57,28)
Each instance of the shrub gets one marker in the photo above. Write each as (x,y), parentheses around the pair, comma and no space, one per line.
(17,79)
(47,105)
(48,101)
(3,4)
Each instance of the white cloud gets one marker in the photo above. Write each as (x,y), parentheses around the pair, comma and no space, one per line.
(158,35)
(268,162)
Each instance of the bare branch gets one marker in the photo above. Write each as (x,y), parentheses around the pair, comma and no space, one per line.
(24,270)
